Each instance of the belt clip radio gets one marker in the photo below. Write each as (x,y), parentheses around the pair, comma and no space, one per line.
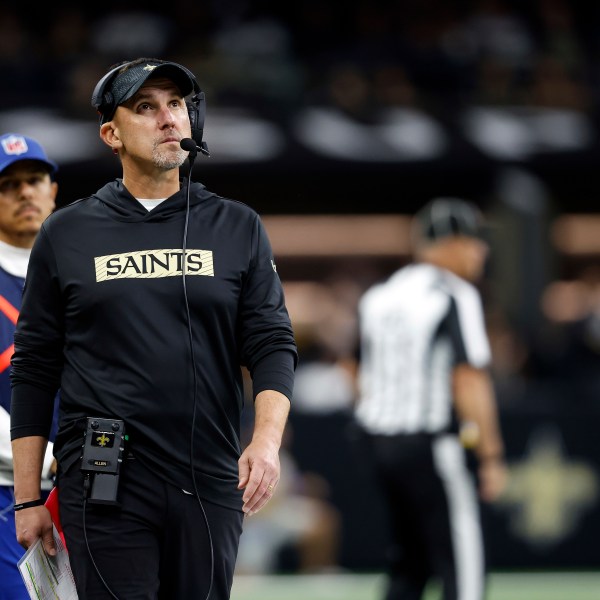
(103,448)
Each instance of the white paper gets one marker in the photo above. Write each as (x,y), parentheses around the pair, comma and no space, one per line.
(48,577)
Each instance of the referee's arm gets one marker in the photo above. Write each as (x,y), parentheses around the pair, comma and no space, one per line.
(475,404)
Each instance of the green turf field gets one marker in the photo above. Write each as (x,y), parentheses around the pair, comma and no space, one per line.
(503,586)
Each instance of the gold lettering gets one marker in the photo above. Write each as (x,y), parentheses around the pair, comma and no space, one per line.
(155,263)
(113,265)
(130,264)
(194,263)
(155,260)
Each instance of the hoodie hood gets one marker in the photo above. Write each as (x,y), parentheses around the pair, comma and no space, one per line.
(122,206)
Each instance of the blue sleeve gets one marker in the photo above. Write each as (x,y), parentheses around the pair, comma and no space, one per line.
(37,359)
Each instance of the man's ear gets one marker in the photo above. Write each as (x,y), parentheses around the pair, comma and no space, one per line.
(110,136)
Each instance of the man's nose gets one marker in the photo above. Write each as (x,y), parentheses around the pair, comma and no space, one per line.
(25,189)
(166,118)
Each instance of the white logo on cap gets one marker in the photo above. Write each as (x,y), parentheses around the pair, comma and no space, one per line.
(15,145)
(149,68)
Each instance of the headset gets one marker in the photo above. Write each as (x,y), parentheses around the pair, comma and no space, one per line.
(104,102)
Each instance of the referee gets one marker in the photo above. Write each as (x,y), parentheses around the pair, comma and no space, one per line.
(425,396)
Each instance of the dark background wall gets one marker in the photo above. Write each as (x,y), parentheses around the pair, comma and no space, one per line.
(331,106)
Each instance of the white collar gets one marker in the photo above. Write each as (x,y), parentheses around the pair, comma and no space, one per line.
(14,260)
(150,203)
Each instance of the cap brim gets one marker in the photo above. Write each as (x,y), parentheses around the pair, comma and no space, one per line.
(50,166)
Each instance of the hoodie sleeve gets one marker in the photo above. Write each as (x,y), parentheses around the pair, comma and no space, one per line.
(267,340)
(39,339)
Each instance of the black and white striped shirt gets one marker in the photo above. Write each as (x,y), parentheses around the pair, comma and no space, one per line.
(415,327)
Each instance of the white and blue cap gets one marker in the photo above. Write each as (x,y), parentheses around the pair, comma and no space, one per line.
(15,147)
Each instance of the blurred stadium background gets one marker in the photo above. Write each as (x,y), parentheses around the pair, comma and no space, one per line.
(336,121)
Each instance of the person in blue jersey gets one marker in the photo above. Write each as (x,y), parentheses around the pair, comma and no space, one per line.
(27,196)
(427,399)
(142,304)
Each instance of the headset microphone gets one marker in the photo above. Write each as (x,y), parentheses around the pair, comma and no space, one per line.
(189,145)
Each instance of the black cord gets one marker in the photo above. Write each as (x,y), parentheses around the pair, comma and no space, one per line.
(86,487)
(192,157)
(86,483)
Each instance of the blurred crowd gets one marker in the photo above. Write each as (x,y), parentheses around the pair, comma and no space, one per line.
(360,55)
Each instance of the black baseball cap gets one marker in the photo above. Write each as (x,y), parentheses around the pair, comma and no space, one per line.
(112,90)
(446,216)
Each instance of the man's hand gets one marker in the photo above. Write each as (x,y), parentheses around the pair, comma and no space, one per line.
(259,464)
(259,474)
(493,476)
(33,523)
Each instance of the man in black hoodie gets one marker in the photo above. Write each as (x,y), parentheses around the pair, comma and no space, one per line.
(141,303)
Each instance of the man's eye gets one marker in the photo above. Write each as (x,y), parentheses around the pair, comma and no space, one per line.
(8,186)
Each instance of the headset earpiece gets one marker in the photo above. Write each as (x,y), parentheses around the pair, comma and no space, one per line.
(102,100)
(196,106)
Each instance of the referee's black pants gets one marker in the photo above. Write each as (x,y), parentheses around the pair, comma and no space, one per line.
(155,547)
(434,510)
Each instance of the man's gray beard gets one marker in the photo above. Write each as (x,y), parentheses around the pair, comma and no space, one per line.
(168,160)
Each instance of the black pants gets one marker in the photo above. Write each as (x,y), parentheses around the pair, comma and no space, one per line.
(156,546)
(434,514)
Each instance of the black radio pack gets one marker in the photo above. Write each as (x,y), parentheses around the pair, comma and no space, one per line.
(103,448)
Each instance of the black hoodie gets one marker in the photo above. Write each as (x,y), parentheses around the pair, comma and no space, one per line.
(104,319)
